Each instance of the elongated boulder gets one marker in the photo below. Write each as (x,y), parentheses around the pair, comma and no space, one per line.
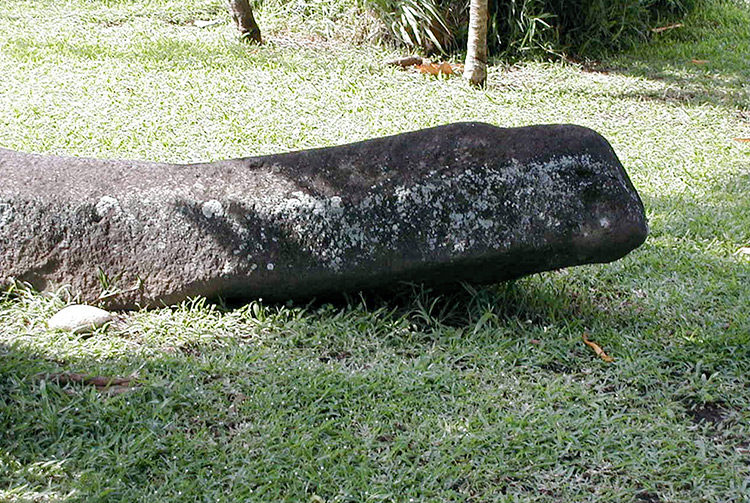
(462,202)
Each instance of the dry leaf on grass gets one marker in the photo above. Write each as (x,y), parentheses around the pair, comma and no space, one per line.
(444,68)
(597,349)
(426,67)
(742,140)
(668,27)
(103,384)
(435,69)
(406,61)
(699,61)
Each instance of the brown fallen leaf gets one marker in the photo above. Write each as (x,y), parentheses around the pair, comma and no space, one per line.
(597,349)
(405,61)
(430,69)
(742,140)
(699,61)
(436,69)
(446,68)
(668,27)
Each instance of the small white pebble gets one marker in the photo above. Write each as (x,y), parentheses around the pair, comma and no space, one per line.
(79,319)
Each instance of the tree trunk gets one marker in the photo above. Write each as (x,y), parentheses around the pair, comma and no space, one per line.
(243,17)
(475,68)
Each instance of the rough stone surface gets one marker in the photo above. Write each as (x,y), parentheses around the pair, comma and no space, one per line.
(79,319)
(462,202)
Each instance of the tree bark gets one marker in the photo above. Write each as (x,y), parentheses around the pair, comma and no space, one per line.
(475,68)
(243,17)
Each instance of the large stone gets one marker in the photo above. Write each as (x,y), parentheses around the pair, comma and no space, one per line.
(462,202)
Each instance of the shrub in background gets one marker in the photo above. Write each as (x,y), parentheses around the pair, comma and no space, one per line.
(418,24)
(592,27)
(358,21)
(583,28)
(517,28)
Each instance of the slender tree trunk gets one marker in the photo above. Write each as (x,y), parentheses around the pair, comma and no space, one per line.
(243,17)
(475,68)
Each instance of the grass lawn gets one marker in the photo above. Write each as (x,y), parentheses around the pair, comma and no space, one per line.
(486,394)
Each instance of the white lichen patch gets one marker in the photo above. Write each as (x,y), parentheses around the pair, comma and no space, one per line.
(485,223)
(228,268)
(484,207)
(604,222)
(320,226)
(212,209)
(105,204)
(6,213)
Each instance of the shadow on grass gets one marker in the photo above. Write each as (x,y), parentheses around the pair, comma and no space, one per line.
(683,83)
(377,379)
(702,62)
(721,210)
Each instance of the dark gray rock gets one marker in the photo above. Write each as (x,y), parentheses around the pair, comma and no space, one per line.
(462,202)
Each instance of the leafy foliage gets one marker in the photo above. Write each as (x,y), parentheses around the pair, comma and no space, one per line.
(596,26)
(417,23)
(522,27)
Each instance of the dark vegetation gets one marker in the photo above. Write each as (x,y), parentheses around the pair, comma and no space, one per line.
(520,28)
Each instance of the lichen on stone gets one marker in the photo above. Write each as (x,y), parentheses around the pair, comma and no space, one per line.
(6,213)
(105,204)
(212,209)
(442,213)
